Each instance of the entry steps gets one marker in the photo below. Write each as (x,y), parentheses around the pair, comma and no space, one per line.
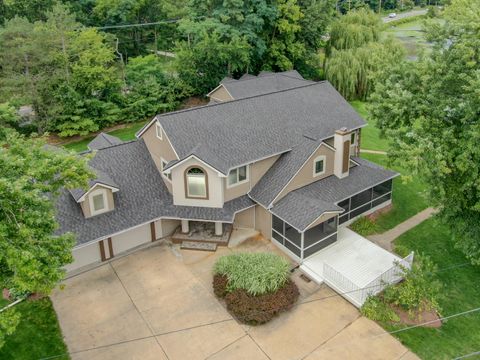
(197,245)
(311,274)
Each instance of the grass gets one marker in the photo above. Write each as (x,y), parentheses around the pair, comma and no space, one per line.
(37,336)
(126,133)
(370,139)
(408,198)
(461,292)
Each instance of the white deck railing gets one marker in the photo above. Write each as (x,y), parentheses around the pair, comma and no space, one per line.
(356,294)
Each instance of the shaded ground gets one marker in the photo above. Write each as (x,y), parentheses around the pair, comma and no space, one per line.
(370,138)
(158,303)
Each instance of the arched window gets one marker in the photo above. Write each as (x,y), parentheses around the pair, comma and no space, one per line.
(196,183)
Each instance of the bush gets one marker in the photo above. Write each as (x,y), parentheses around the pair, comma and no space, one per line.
(364,226)
(256,273)
(375,309)
(255,310)
(220,285)
(419,290)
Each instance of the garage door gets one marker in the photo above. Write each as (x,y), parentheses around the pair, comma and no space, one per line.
(130,239)
(85,255)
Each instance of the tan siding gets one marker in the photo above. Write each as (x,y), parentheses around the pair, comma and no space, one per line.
(221,94)
(263,221)
(85,205)
(245,219)
(256,171)
(159,149)
(169,226)
(305,175)
(321,219)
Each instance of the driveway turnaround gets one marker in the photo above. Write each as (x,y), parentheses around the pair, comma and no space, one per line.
(157,303)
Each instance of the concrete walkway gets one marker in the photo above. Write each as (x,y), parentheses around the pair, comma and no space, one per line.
(386,239)
(366,151)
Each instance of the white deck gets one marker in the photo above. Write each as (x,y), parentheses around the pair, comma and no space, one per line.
(352,256)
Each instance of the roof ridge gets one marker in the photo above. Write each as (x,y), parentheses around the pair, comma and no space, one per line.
(241,99)
(108,147)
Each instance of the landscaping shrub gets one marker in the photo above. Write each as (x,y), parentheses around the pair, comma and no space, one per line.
(220,285)
(364,226)
(419,290)
(255,310)
(376,309)
(256,273)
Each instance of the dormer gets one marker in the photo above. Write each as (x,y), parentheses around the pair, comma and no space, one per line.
(98,198)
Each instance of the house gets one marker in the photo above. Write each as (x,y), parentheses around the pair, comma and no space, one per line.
(272,152)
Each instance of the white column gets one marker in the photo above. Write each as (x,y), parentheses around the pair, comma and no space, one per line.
(218,228)
(185,228)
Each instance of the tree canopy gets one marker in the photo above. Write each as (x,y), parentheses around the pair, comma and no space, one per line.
(430,111)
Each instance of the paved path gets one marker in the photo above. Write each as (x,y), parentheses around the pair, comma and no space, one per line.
(365,151)
(386,239)
(404,15)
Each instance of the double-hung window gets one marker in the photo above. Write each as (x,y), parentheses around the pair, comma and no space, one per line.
(237,176)
(319,166)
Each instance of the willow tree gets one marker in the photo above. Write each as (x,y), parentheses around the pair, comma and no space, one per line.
(356,52)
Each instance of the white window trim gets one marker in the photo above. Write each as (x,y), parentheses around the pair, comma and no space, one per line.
(159,130)
(354,133)
(162,160)
(102,192)
(188,187)
(318,158)
(247,179)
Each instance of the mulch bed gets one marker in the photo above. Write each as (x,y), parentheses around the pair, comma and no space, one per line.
(255,310)
(431,317)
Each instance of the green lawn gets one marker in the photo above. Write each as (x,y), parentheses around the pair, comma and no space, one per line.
(37,336)
(461,292)
(125,134)
(408,197)
(370,139)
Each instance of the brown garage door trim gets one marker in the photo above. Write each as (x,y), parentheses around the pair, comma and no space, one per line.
(152,231)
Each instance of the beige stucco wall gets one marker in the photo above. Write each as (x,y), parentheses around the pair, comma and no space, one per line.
(245,219)
(83,256)
(215,186)
(85,205)
(130,239)
(305,175)
(255,172)
(159,149)
(263,221)
(221,94)
(321,219)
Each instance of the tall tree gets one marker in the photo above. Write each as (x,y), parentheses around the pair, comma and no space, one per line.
(32,256)
(430,111)
(355,53)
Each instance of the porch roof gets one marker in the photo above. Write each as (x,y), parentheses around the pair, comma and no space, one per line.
(303,206)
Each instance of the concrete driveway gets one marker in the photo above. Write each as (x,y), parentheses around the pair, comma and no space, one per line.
(157,303)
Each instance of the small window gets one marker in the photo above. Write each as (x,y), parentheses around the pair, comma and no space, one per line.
(98,203)
(319,166)
(238,176)
(167,175)
(196,183)
(352,139)
(158,129)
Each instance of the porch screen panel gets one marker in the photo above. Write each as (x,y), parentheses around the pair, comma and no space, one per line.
(317,247)
(361,199)
(382,189)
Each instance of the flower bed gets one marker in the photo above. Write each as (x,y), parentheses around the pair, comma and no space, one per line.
(255,286)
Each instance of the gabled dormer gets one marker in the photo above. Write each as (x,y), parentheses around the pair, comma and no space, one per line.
(98,198)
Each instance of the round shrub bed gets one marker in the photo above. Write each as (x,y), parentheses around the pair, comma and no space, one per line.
(256,286)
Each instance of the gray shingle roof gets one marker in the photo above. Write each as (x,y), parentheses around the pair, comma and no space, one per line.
(141,199)
(242,131)
(266,82)
(303,206)
(102,141)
